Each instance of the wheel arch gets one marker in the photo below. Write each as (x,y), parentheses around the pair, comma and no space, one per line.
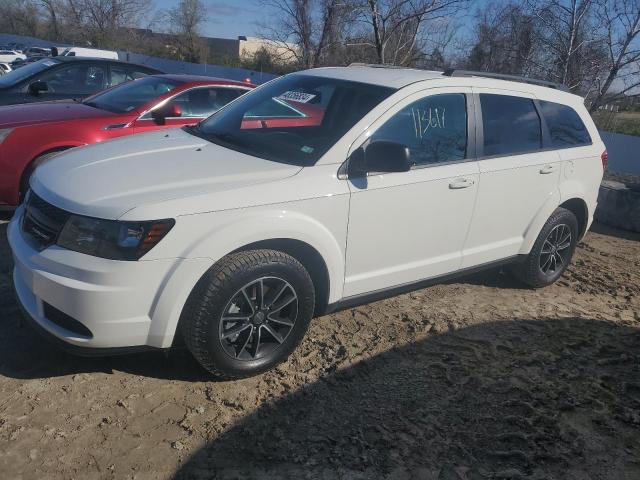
(29,167)
(315,247)
(309,257)
(579,208)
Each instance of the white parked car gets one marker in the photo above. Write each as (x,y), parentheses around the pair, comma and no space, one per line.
(8,56)
(88,52)
(317,191)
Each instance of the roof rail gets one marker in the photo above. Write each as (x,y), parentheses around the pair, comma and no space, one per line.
(376,65)
(500,76)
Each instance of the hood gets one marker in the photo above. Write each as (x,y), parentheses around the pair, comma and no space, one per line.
(108,179)
(13,116)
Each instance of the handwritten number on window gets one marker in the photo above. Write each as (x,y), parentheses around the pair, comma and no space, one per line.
(425,119)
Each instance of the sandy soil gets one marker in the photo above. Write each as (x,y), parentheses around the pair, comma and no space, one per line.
(464,381)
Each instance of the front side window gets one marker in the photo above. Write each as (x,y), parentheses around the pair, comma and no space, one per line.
(565,126)
(294,119)
(75,79)
(22,73)
(511,125)
(434,128)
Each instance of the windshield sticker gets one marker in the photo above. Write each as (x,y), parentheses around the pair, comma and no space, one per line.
(307,149)
(300,97)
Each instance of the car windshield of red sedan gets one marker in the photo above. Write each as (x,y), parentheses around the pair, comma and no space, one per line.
(132,95)
(294,119)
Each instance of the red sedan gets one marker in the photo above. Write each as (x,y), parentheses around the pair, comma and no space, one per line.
(30,133)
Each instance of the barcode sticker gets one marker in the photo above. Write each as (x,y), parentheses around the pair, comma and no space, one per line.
(300,97)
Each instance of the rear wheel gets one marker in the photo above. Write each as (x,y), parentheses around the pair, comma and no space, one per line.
(248,313)
(552,251)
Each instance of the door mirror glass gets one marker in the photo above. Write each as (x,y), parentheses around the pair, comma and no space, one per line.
(38,87)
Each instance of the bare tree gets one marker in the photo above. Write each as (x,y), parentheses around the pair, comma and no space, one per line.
(184,22)
(503,40)
(306,30)
(396,25)
(567,39)
(99,22)
(19,17)
(622,27)
(52,7)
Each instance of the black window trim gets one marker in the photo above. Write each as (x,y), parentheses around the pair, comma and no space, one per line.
(546,135)
(472,122)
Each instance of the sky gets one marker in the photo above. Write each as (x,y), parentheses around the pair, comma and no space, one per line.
(228,18)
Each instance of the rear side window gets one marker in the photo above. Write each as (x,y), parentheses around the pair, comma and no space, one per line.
(434,128)
(565,126)
(511,125)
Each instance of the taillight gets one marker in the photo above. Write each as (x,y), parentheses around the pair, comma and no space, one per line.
(605,159)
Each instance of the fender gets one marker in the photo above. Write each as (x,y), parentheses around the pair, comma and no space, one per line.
(542,215)
(14,160)
(230,231)
(574,189)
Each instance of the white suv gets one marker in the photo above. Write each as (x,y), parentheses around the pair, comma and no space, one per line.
(317,191)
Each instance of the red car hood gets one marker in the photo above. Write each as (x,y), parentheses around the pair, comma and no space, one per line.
(13,116)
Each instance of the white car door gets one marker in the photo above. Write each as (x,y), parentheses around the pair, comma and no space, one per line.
(517,174)
(409,226)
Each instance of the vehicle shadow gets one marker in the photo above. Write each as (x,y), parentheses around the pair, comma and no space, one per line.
(498,277)
(509,399)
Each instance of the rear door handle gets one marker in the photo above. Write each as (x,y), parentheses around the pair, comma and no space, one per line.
(547,169)
(459,183)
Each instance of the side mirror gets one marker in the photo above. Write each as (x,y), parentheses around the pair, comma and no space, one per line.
(169,110)
(380,156)
(38,87)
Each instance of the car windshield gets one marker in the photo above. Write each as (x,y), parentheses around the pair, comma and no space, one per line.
(294,119)
(19,74)
(132,95)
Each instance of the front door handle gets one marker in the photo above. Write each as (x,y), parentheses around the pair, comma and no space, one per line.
(459,183)
(547,169)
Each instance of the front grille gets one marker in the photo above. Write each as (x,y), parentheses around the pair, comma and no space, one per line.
(42,222)
(65,321)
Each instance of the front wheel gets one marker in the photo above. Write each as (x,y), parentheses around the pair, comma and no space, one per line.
(552,252)
(248,313)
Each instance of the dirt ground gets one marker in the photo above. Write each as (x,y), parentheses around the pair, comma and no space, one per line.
(470,380)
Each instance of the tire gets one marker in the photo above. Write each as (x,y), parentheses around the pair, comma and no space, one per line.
(26,175)
(551,253)
(230,289)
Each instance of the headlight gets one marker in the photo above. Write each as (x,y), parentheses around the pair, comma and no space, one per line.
(112,239)
(4,133)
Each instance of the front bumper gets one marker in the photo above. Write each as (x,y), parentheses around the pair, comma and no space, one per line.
(118,302)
